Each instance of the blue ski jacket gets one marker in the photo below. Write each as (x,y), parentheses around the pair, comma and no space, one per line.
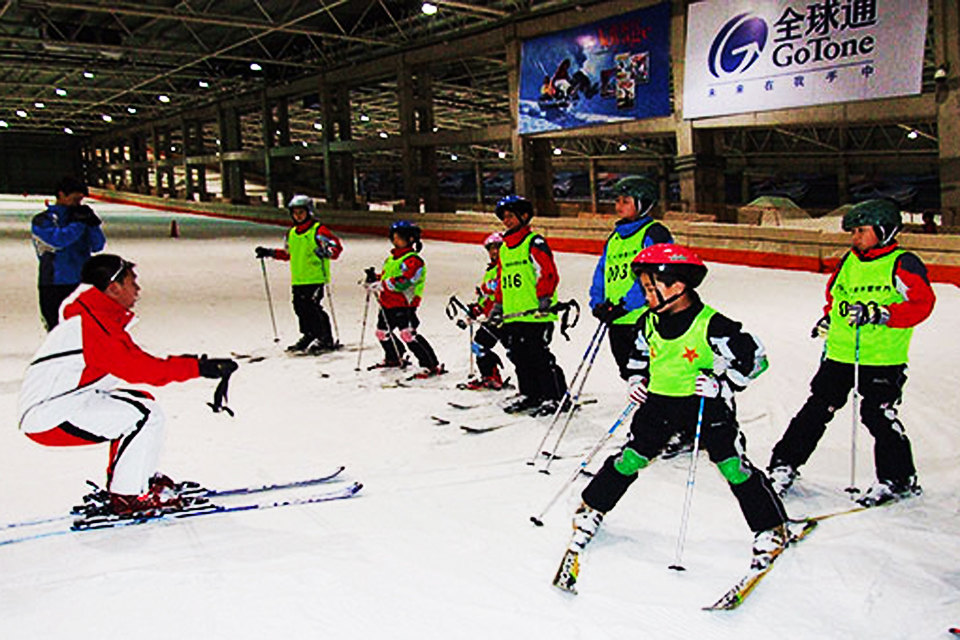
(656,234)
(63,244)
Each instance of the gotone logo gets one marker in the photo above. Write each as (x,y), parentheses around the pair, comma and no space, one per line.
(737,45)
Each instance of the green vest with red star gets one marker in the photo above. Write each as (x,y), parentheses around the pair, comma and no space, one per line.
(676,363)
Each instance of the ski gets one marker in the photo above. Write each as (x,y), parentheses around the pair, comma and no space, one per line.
(240,491)
(735,596)
(475,430)
(954,630)
(567,572)
(190,489)
(198,507)
(440,422)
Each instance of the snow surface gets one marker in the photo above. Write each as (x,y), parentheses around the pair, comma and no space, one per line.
(439,542)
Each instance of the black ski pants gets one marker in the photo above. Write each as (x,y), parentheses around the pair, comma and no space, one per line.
(398,328)
(881,389)
(528,347)
(51,297)
(655,421)
(623,338)
(312,318)
(485,338)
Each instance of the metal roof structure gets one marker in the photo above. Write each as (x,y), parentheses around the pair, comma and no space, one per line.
(88,66)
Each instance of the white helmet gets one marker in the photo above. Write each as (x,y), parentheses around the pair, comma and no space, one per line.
(306,202)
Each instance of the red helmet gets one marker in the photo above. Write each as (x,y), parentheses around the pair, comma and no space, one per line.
(672,261)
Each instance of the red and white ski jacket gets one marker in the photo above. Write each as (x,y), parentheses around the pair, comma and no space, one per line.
(91,349)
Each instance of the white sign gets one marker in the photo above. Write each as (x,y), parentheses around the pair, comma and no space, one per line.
(770,54)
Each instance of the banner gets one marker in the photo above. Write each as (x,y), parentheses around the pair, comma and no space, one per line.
(770,54)
(609,71)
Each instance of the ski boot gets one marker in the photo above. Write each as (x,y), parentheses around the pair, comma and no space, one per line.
(885,491)
(520,403)
(430,372)
(767,545)
(678,444)
(782,477)
(586,521)
(301,345)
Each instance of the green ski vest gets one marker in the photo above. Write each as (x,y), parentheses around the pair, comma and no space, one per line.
(618,278)
(870,281)
(489,283)
(518,279)
(393,267)
(675,364)
(305,266)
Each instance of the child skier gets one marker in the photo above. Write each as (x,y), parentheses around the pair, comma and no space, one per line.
(399,288)
(309,248)
(487,334)
(615,296)
(876,296)
(687,357)
(528,290)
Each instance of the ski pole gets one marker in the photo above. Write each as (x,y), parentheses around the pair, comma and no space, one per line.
(601,329)
(538,519)
(688,498)
(333,314)
(470,374)
(574,402)
(266,285)
(393,339)
(855,409)
(363,329)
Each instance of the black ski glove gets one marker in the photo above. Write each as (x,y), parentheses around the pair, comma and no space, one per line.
(606,312)
(85,214)
(371,275)
(264,252)
(216,367)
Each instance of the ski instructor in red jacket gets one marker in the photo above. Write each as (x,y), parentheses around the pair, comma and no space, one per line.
(74,394)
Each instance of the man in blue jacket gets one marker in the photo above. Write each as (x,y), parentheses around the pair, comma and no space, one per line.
(64,236)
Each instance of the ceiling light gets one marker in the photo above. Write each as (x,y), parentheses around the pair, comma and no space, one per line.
(107,118)
(384,134)
(60,92)
(39,105)
(21,113)
(203,84)
(88,75)
(501,154)
(4,124)
(364,117)
(296,158)
(68,131)
(454,157)
(303,143)
(131,110)
(623,147)
(428,8)
(254,66)
(557,151)
(318,126)
(913,134)
(164,98)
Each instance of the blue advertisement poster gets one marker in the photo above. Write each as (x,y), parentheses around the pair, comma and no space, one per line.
(609,71)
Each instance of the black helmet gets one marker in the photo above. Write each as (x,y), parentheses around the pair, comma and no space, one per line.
(643,190)
(518,205)
(407,230)
(881,214)
(104,268)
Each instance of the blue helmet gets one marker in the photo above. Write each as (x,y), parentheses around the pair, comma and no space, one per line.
(407,230)
(518,205)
